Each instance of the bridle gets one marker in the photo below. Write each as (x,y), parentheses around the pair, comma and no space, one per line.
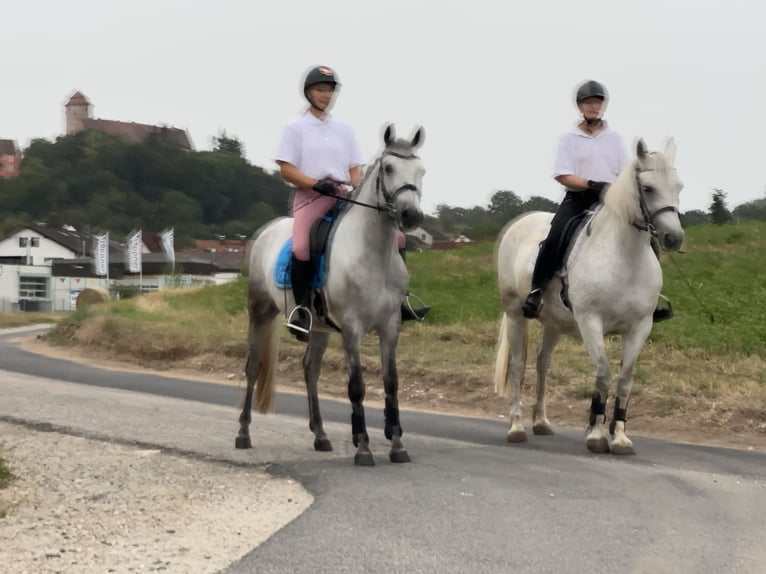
(380,187)
(648,216)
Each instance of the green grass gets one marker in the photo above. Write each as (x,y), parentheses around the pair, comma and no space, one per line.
(718,290)
(717,286)
(460,285)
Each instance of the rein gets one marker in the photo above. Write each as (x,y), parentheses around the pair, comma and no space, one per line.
(648,224)
(380,188)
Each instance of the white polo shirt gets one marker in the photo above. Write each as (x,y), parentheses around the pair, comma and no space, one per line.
(320,148)
(600,157)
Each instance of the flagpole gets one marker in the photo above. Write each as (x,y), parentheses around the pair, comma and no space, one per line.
(140,262)
(107,263)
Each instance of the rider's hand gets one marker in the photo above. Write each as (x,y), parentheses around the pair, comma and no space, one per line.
(325,188)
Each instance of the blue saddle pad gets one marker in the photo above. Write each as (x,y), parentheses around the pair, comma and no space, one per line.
(284,265)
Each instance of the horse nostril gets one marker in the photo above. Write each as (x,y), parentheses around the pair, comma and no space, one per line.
(673,241)
(411,217)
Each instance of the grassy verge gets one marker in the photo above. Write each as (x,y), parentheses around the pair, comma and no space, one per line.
(8,320)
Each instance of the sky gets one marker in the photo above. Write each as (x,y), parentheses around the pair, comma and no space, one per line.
(491,82)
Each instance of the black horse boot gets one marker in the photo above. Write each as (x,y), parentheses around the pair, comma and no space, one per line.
(299,321)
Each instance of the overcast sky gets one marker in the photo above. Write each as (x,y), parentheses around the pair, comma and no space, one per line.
(490,81)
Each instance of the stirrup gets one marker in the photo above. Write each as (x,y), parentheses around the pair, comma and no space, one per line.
(418,314)
(294,326)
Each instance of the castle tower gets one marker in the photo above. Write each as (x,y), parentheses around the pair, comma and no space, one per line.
(78,108)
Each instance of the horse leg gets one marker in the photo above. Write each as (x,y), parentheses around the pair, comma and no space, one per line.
(596,434)
(262,348)
(632,343)
(540,423)
(312,362)
(516,334)
(393,427)
(356,392)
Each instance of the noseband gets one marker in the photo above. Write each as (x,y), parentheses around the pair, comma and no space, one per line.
(648,216)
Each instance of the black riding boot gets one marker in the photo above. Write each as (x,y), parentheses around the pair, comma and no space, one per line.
(533,303)
(299,322)
(410,313)
(660,313)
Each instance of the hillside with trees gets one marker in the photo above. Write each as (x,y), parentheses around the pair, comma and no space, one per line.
(95,181)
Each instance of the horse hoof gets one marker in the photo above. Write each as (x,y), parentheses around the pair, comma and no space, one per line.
(322,444)
(399,456)
(243,442)
(364,459)
(621,449)
(517,436)
(598,445)
(542,429)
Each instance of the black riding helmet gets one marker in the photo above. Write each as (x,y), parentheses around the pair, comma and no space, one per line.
(591,89)
(319,75)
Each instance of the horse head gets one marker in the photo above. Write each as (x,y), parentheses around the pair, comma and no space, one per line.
(658,187)
(400,176)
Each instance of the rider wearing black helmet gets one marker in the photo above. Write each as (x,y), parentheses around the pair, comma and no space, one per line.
(316,76)
(589,157)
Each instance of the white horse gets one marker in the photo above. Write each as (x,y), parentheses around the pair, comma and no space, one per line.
(365,286)
(614,281)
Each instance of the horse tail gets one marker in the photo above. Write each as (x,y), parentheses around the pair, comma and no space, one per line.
(266,383)
(503,359)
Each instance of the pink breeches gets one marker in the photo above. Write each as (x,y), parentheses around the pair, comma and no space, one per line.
(308,206)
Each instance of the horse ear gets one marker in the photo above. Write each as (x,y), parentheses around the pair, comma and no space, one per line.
(418,137)
(389,135)
(670,151)
(641,150)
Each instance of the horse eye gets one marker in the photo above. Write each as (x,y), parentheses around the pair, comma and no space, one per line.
(388,168)
(648,189)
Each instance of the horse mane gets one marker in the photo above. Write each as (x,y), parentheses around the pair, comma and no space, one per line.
(622,197)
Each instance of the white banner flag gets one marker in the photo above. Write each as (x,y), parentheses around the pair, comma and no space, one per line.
(166,238)
(133,254)
(101,254)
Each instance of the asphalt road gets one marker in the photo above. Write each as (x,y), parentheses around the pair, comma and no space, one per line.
(469,502)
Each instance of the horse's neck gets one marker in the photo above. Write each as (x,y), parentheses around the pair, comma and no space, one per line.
(613,236)
(366,231)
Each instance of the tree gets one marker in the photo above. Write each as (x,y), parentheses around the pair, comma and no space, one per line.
(538,203)
(752,210)
(227,144)
(504,205)
(719,212)
(694,217)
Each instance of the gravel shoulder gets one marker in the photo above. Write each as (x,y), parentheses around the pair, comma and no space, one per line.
(93,493)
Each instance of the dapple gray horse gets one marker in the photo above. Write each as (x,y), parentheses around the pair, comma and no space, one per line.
(365,286)
(614,281)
